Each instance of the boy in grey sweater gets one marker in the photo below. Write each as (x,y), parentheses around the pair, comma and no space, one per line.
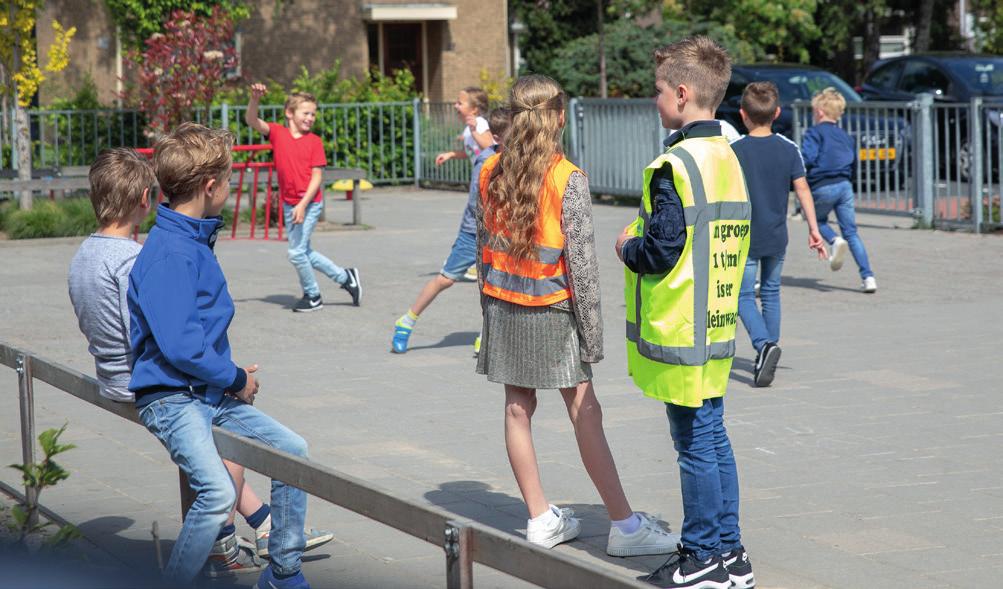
(123,187)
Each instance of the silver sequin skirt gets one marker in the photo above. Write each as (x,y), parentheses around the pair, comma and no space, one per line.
(532,347)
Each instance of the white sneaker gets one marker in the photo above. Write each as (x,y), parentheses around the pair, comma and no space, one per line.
(563,529)
(650,538)
(839,249)
(870,285)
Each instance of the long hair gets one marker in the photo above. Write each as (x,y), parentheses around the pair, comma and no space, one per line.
(536,104)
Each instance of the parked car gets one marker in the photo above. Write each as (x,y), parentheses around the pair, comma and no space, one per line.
(882,140)
(951,78)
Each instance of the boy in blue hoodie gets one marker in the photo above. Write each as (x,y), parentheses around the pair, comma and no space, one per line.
(183,378)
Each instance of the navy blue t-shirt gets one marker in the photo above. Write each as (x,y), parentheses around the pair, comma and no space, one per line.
(770,165)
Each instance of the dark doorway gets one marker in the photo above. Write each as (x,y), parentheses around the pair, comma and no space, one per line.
(402,48)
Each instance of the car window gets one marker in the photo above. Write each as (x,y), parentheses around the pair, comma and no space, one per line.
(735,88)
(984,75)
(923,77)
(885,76)
(802,85)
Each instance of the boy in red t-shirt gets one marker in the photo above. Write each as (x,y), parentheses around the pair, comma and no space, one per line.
(299,159)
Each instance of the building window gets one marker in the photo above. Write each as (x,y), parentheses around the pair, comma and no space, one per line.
(402,48)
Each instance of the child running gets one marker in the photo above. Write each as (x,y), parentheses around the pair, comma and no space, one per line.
(542,329)
(122,188)
(772,165)
(830,156)
(464,252)
(299,162)
(684,257)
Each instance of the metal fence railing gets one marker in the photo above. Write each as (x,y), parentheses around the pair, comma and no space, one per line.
(464,541)
(440,131)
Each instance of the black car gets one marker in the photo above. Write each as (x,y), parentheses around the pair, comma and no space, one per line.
(881,139)
(953,79)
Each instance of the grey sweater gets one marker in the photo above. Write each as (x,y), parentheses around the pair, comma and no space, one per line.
(99,283)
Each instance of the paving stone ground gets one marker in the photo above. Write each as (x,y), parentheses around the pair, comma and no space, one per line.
(872,462)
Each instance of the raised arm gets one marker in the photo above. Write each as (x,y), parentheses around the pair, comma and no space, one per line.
(251,115)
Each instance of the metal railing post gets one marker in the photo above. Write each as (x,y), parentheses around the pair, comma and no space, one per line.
(26,399)
(459,564)
(224,115)
(924,173)
(356,207)
(416,105)
(975,150)
(572,119)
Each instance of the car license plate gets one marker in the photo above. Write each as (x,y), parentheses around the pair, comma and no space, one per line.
(877,154)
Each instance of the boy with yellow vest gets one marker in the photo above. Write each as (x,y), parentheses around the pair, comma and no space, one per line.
(685,255)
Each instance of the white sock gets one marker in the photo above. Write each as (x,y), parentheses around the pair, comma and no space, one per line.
(265,525)
(628,526)
(546,519)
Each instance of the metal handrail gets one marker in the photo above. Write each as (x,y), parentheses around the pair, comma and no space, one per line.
(464,541)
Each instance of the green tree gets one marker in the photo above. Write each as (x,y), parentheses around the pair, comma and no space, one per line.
(629,55)
(990,25)
(139,19)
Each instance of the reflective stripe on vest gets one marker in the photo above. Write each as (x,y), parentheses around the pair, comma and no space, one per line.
(538,282)
(681,324)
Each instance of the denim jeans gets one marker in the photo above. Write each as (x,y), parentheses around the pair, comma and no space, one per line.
(462,256)
(839,197)
(708,477)
(183,424)
(763,326)
(303,258)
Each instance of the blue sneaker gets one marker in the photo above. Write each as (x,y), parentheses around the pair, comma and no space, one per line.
(401,335)
(267,580)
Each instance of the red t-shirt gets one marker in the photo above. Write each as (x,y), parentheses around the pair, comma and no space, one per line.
(295,160)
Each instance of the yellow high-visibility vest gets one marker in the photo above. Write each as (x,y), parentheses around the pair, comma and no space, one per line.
(681,324)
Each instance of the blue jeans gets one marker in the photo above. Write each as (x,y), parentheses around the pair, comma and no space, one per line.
(763,326)
(303,258)
(708,477)
(183,424)
(462,256)
(839,197)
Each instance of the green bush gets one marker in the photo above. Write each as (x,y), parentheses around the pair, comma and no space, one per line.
(47,218)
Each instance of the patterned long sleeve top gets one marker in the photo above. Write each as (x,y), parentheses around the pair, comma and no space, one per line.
(583,265)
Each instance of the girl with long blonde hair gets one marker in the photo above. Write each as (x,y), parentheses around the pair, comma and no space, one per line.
(539,280)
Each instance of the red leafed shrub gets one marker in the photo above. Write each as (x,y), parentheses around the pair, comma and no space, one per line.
(182,68)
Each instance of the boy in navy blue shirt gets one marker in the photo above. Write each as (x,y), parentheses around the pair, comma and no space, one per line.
(183,378)
(830,156)
(771,164)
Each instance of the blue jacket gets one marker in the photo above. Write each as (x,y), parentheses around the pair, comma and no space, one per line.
(179,310)
(829,155)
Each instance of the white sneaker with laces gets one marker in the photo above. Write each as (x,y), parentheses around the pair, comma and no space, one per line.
(562,529)
(649,539)
(870,285)
(839,249)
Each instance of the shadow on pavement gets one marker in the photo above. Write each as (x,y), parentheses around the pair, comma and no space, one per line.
(288,301)
(457,338)
(813,284)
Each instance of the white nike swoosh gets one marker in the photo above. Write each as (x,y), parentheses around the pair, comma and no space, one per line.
(678,577)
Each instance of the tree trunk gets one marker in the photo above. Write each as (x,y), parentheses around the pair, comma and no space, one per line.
(22,151)
(602,50)
(924,20)
(871,38)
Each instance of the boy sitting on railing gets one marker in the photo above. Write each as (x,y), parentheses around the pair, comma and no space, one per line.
(183,378)
(122,187)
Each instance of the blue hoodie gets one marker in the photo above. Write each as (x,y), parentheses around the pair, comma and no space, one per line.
(829,153)
(179,310)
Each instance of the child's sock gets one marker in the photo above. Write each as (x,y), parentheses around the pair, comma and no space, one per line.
(227,530)
(628,526)
(546,519)
(407,320)
(258,517)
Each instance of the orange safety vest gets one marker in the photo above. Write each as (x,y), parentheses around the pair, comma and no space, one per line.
(531,283)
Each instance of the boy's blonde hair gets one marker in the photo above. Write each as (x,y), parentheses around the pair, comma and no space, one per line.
(478,99)
(700,64)
(118,178)
(760,101)
(188,157)
(297,98)
(830,102)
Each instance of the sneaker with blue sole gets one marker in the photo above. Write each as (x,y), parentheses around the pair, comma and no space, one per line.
(401,334)
(268,580)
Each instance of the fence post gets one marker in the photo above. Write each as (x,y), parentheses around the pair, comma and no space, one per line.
(924,173)
(224,115)
(356,199)
(416,105)
(26,398)
(975,152)
(572,121)
(459,564)
(796,115)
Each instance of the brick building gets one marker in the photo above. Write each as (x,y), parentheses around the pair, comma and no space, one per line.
(446,43)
